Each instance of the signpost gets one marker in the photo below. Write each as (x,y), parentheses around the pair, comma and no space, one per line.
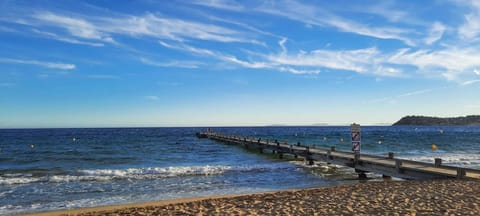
(356,138)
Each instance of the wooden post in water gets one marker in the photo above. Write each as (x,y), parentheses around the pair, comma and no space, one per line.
(391,155)
(461,173)
(438,162)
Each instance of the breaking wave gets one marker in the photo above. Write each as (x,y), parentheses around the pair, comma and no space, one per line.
(139,173)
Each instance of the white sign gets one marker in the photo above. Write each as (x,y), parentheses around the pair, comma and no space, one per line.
(356,138)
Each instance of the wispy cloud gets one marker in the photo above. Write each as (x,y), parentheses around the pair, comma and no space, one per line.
(151,97)
(471,27)
(7,29)
(174,29)
(220,4)
(435,33)
(97,30)
(179,64)
(396,98)
(470,82)
(215,54)
(365,61)
(312,15)
(450,63)
(476,71)
(53,65)
(77,27)
(415,93)
(65,39)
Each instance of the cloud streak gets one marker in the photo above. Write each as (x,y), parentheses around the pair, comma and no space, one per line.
(312,15)
(65,39)
(178,64)
(470,82)
(52,65)
(151,97)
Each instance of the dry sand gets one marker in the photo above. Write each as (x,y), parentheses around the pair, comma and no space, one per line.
(433,197)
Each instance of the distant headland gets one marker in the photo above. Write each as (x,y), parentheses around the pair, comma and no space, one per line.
(427,120)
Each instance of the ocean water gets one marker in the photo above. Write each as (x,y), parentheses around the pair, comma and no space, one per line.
(50,169)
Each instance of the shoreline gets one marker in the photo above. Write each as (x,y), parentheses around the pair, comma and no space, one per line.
(448,196)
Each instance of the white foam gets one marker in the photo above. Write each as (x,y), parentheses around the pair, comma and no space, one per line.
(140,173)
(464,159)
(18,180)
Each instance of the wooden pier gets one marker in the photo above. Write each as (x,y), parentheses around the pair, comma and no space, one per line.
(389,166)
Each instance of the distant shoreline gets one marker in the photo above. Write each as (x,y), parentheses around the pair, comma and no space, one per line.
(470,120)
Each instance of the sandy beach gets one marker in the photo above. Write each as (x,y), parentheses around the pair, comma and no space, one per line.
(429,197)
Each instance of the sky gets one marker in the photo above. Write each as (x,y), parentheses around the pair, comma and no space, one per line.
(236,63)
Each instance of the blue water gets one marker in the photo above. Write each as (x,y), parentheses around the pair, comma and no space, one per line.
(48,169)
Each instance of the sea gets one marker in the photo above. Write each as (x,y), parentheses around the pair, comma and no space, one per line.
(53,169)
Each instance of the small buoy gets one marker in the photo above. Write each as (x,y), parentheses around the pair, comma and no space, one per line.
(379,142)
(440,131)
(296,134)
(32,146)
(74,139)
(324,138)
(341,140)
(434,147)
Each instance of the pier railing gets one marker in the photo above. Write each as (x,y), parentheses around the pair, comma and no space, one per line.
(362,163)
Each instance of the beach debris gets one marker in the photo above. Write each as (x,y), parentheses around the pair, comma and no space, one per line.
(434,147)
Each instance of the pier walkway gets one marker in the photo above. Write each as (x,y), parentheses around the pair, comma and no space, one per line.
(362,163)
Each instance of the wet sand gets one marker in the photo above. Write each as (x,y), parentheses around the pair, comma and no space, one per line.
(432,197)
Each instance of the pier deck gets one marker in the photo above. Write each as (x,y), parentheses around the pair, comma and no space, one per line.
(388,166)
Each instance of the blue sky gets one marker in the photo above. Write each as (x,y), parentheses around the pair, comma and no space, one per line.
(225,62)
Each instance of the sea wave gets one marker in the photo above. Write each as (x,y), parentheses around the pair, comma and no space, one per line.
(456,159)
(140,173)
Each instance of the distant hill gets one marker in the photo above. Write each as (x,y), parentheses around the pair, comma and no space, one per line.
(426,120)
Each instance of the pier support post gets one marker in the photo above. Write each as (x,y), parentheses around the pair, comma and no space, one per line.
(391,155)
(362,176)
(356,158)
(332,148)
(438,162)
(461,173)
(398,165)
